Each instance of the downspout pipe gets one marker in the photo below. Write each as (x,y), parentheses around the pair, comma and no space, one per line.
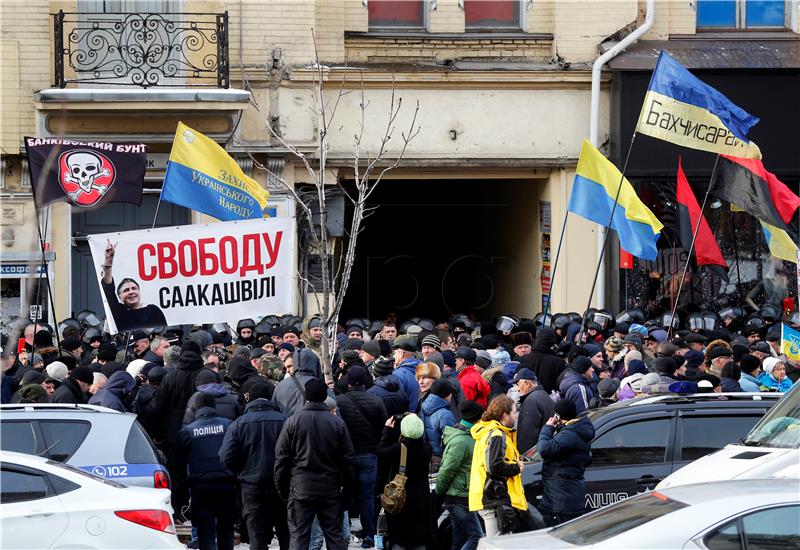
(594,122)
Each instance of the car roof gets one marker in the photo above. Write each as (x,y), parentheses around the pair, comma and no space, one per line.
(775,489)
(696,400)
(21,458)
(57,407)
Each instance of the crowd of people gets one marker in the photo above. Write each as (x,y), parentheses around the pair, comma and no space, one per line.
(256,438)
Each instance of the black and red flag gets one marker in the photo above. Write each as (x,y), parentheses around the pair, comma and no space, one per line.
(706,249)
(85,174)
(748,185)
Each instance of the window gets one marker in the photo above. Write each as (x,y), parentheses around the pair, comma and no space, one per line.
(616,519)
(17,486)
(702,435)
(138,449)
(18,437)
(404,14)
(740,14)
(725,538)
(63,437)
(773,528)
(642,442)
(492,14)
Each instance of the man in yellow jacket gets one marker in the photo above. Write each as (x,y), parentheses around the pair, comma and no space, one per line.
(497,460)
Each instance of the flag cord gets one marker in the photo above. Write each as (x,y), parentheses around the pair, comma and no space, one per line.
(44,265)
(738,268)
(605,240)
(691,246)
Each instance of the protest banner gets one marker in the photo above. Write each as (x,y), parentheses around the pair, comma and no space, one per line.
(192,274)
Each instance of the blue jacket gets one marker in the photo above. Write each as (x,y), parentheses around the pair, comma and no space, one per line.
(394,397)
(749,383)
(566,455)
(576,388)
(768,383)
(406,374)
(436,416)
(248,448)
(115,391)
(198,445)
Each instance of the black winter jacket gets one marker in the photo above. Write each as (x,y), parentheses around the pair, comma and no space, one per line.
(226,402)
(197,448)
(151,357)
(145,407)
(314,456)
(543,361)
(69,392)
(115,393)
(566,455)
(249,446)
(175,390)
(389,390)
(535,408)
(364,415)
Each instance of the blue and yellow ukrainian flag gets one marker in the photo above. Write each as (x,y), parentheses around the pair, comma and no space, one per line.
(593,191)
(682,109)
(790,342)
(781,245)
(203,177)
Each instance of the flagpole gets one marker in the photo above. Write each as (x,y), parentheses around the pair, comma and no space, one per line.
(691,246)
(605,239)
(555,266)
(44,263)
(158,205)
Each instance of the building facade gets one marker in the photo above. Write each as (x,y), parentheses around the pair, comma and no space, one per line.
(471,218)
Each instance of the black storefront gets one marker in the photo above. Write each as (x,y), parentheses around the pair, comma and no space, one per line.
(762,77)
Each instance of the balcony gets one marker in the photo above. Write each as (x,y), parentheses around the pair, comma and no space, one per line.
(145,50)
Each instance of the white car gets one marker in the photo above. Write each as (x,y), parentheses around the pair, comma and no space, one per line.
(721,515)
(45,504)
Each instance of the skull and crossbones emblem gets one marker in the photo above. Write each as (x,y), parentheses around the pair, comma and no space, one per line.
(82,172)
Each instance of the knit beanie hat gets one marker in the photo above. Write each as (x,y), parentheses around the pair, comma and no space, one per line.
(83,374)
(382,368)
(581,364)
(749,363)
(470,411)
(57,370)
(433,341)
(317,391)
(442,388)
(769,364)
(372,347)
(411,427)
(565,408)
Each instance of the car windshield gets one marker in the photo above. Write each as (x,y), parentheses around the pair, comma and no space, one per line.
(780,427)
(616,519)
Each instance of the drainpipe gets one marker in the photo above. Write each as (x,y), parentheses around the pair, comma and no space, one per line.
(594,123)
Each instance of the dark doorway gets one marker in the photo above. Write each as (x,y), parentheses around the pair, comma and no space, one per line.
(438,247)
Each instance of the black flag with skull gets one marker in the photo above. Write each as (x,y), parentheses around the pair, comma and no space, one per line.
(85,174)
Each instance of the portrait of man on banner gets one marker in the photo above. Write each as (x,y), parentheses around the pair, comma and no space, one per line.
(125,299)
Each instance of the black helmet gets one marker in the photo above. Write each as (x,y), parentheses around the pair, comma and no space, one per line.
(90,334)
(561,320)
(88,318)
(426,324)
(632,315)
(263,328)
(542,320)
(769,314)
(68,323)
(695,322)
(734,313)
(356,323)
(603,318)
(754,322)
(575,316)
(710,320)
(507,324)
(245,323)
(667,321)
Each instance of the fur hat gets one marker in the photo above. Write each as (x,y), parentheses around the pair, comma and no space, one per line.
(428,370)
(521,338)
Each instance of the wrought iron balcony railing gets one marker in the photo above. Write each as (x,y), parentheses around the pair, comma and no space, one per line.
(142,49)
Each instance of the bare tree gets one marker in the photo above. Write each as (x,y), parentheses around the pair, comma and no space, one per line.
(368,171)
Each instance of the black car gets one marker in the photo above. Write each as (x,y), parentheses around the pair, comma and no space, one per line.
(641,441)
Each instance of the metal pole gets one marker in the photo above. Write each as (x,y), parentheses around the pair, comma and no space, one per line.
(555,265)
(738,268)
(691,246)
(605,240)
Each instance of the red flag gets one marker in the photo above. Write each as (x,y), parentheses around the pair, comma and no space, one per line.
(706,249)
(625,259)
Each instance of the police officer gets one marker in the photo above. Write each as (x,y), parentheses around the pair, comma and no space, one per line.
(211,485)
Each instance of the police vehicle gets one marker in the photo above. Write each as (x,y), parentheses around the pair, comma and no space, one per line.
(639,442)
(106,443)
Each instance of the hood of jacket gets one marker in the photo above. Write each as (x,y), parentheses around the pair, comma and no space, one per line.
(388,382)
(433,403)
(582,426)
(482,428)
(452,432)
(488,374)
(306,361)
(262,404)
(410,364)
(545,340)
(239,370)
(571,377)
(121,383)
(215,389)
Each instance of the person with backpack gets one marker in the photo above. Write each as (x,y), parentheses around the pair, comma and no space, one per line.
(409,511)
(452,483)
